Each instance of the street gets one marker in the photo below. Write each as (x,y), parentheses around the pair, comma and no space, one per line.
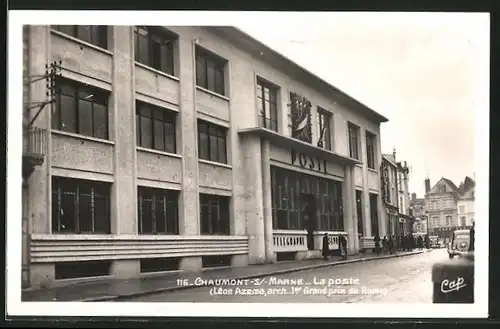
(403,279)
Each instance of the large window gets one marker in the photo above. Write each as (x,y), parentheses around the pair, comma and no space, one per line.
(212,142)
(267,104)
(353,141)
(289,191)
(80,109)
(374,214)
(80,206)
(210,71)
(94,34)
(155,127)
(359,210)
(370,150)
(463,221)
(325,133)
(157,211)
(154,47)
(214,214)
(448,220)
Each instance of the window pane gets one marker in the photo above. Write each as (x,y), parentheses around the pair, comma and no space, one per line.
(221,149)
(100,121)
(85,212)
(84,33)
(213,148)
(155,52)
(205,219)
(167,60)
(68,29)
(160,215)
(147,215)
(169,130)
(68,213)
(68,113)
(204,146)
(172,214)
(159,135)
(102,36)
(210,75)
(219,80)
(201,72)
(138,129)
(101,214)
(146,133)
(141,46)
(55,207)
(84,117)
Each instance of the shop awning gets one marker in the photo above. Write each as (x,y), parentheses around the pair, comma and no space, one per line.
(299,146)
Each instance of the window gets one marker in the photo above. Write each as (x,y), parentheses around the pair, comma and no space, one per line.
(370,150)
(290,190)
(154,47)
(374,214)
(210,71)
(155,127)
(157,211)
(211,142)
(461,209)
(325,132)
(448,220)
(401,205)
(267,104)
(463,221)
(442,188)
(80,109)
(359,209)
(214,214)
(94,34)
(434,222)
(80,206)
(353,141)
(434,205)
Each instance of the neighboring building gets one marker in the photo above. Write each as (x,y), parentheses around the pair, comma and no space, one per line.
(419,213)
(187,147)
(441,205)
(395,182)
(465,202)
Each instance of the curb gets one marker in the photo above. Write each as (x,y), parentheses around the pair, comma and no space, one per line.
(243,277)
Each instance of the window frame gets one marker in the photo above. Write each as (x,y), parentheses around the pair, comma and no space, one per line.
(168,118)
(353,148)
(219,64)
(219,133)
(98,190)
(266,119)
(170,200)
(216,226)
(162,35)
(370,149)
(325,118)
(100,32)
(97,96)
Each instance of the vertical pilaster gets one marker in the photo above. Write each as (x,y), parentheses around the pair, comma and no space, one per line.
(267,201)
(367,229)
(348,195)
(187,122)
(124,194)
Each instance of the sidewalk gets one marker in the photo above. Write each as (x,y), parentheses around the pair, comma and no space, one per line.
(119,289)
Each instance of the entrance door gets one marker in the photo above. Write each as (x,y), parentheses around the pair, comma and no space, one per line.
(309,218)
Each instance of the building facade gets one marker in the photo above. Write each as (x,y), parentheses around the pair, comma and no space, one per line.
(395,185)
(417,206)
(181,148)
(441,206)
(465,202)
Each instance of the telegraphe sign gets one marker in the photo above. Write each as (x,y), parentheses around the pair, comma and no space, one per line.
(308,162)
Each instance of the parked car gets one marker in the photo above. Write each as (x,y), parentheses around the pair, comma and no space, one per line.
(459,243)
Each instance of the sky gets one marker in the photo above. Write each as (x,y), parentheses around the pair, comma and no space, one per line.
(420,70)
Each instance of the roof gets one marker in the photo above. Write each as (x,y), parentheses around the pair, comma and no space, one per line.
(466,185)
(389,158)
(417,201)
(451,183)
(257,48)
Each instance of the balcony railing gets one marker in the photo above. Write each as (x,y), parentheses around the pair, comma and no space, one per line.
(34,148)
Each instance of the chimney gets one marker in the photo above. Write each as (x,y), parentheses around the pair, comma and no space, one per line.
(413,197)
(427,185)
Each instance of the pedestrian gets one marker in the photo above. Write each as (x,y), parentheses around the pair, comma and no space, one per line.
(343,246)
(401,242)
(419,242)
(472,237)
(326,247)
(390,244)
(376,239)
(384,245)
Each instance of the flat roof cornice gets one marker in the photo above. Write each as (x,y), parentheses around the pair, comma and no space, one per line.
(300,146)
(254,46)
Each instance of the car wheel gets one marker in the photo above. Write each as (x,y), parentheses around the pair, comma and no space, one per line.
(450,255)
